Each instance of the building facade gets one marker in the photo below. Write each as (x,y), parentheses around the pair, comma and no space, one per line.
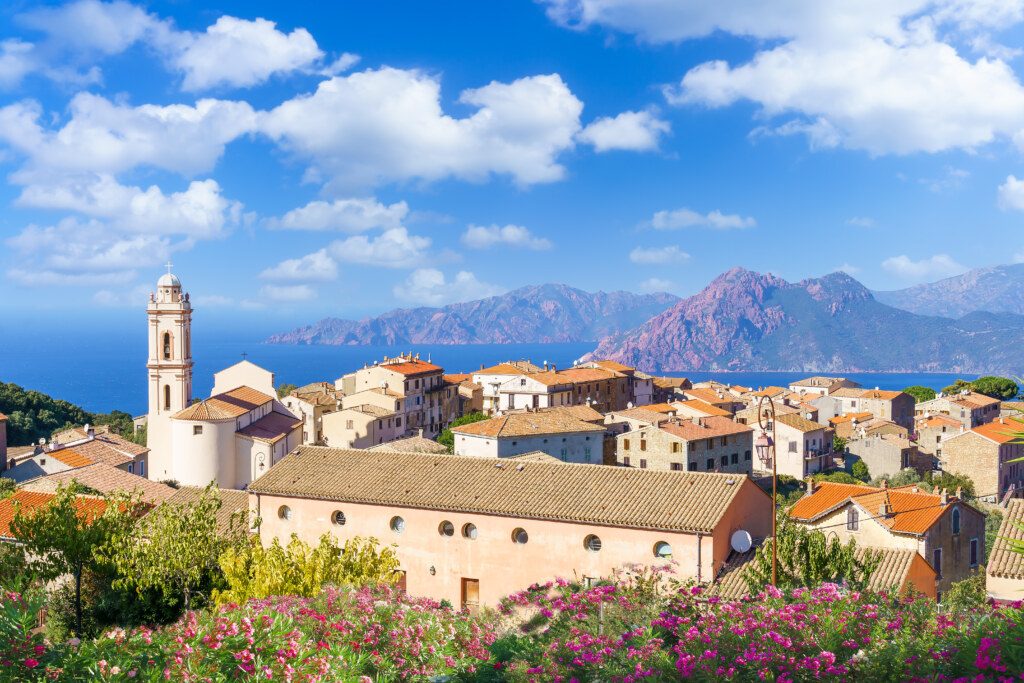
(556,432)
(986,454)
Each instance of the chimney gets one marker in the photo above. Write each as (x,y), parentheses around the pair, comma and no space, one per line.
(943,497)
(89,431)
(959,492)
(421,432)
(554,368)
(810,486)
(885,483)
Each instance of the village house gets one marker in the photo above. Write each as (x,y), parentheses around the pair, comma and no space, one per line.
(420,384)
(622,421)
(884,454)
(310,403)
(986,453)
(711,444)
(492,378)
(944,530)
(697,409)
(895,406)
(969,407)
(1004,578)
(822,386)
(555,432)
(469,396)
(803,447)
(546,389)
(471,531)
(79,447)
(365,424)
(931,430)
(667,389)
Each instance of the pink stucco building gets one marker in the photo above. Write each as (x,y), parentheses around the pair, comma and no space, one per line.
(473,530)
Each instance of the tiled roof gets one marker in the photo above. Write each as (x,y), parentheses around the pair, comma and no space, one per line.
(827,496)
(937,421)
(847,392)
(87,507)
(411,367)
(2,417)
(704,407)
(589,494)
(798,422)
(232,502)
(817,381)
(580,412)
(613,365)
(913,511)
(103,435)
(457,378)
(705,428)
(271,428)
(1003,562)
(317,394)
(1003,430)
(974,400)
(371,410)
(860,417)
(661,407)
(706,395)
(510,368)
(105,479)
(583,375)
(770,391)
(229,404)
(534,456)
(412,444)
(102,450)
(550,379)
(671,382)
(528,424)
(641,414)
(68,456)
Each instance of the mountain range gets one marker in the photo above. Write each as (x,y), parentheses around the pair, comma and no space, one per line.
(742,321)
(537,314)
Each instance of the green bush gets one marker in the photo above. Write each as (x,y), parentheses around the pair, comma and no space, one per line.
(920,393)
(859,470)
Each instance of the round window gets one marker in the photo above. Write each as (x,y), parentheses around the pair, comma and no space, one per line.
(520,537)
(469,531)
(284,512)
(397,525)
(338,518)
(663,550)
(592,543)
(446,528)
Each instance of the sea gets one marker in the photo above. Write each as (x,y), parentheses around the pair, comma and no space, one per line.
(102,370)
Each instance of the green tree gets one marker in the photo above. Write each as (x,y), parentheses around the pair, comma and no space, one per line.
(957,386)
(285,389)
(809,558)
(837,477)
(966,594)
(859,470)
(952,482)
(7,487)
(447,438)
(920,393)
(174,548)
(64,536)
(252,571)
(904,477)
(1003,388)
(839,444)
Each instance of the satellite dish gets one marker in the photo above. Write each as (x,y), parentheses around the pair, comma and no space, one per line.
(741,541)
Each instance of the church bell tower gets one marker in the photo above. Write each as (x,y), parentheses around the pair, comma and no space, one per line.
(169,368)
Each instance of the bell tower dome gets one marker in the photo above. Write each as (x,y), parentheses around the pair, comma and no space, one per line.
(169,368)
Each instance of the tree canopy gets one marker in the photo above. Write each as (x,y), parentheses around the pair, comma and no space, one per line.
(920,393)
(1002,388)
(285,389)
(33,415)
(447,438)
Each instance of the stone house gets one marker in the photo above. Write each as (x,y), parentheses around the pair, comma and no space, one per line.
(884,454)
(622,421)
(419,383)
(985,454)
(1004,578)
(310,403)
(555,432)
(895,406)
(822,386)
(491,379)
(932,430)
(969,407)
(472,531)
(80,447)
(803,447)
(712,444)
(668,389)
(538,390)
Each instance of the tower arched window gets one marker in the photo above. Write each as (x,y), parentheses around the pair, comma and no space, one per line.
(167,397)
(167,345)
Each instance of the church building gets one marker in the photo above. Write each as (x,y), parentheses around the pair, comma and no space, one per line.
(230,438)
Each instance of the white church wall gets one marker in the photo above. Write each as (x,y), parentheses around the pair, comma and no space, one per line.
(244,374)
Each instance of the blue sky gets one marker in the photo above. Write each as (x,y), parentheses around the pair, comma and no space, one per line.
(296,160)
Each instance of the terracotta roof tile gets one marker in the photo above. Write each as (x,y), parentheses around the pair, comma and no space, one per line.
(827,496)
(613,365)
(1004,562)
(412,444)
(105,479)
(841,419)
(584,375)
(87,507)
(707,395)
(913,513)
(1003,430)
(937,421)
(818,381)
(69,457)
(271,428)
(705,407)
(528,424)
(590,494)
(661,407)
(227,405)
(580,412)
(705,428)
(410,367)
(232,502)
(551,379)
(641,414)
(798,422)
(102,434)
(3,417)
(510,368)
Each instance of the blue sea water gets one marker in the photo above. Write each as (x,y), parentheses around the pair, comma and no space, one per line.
(103,370)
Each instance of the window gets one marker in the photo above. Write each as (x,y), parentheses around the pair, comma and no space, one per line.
(142,468)
(625,444)
(852,519)
(338,518)
(167,397)
(974,552)
(167,345)
(643,464)
(792,446)
(397,524)
(520,537)
(446,528)
(197,430)
(643,444)
(348,424)
(678,466)
(710,464)
(469,531)
(592,543)
(937,561)
(586,453)
(663,550)
(693,466)
(725,460)
(956,520)
(284,512)
(675,447)
(734,458)
(625,461)
(746,456)
(131,468)
(522,382)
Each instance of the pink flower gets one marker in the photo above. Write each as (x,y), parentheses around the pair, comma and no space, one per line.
(31,663)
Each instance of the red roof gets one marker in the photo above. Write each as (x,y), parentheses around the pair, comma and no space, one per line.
(89,508)
(412,367)
(1003,430)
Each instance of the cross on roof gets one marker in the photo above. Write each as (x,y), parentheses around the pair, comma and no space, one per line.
(168,266)
(244,355)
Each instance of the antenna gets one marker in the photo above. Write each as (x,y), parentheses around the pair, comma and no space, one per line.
(741,541)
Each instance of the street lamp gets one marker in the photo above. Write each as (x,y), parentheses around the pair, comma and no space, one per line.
(765,446)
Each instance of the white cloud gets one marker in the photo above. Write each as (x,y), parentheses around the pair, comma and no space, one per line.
(659,256)
(636,131)
(17,59)
(428,286)
(656,284)
(344,215)
(1011,194)
(287,293)
(848,269)
(951,179)
(96,27)
(241,53)
(687,218)
(343,63)
(885,77)
(487,236)
(394,248)
(861,222)
(134,297)
(386,125)
(938,266)
(315,267)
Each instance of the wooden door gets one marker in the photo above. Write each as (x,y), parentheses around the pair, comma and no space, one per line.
(471,595)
